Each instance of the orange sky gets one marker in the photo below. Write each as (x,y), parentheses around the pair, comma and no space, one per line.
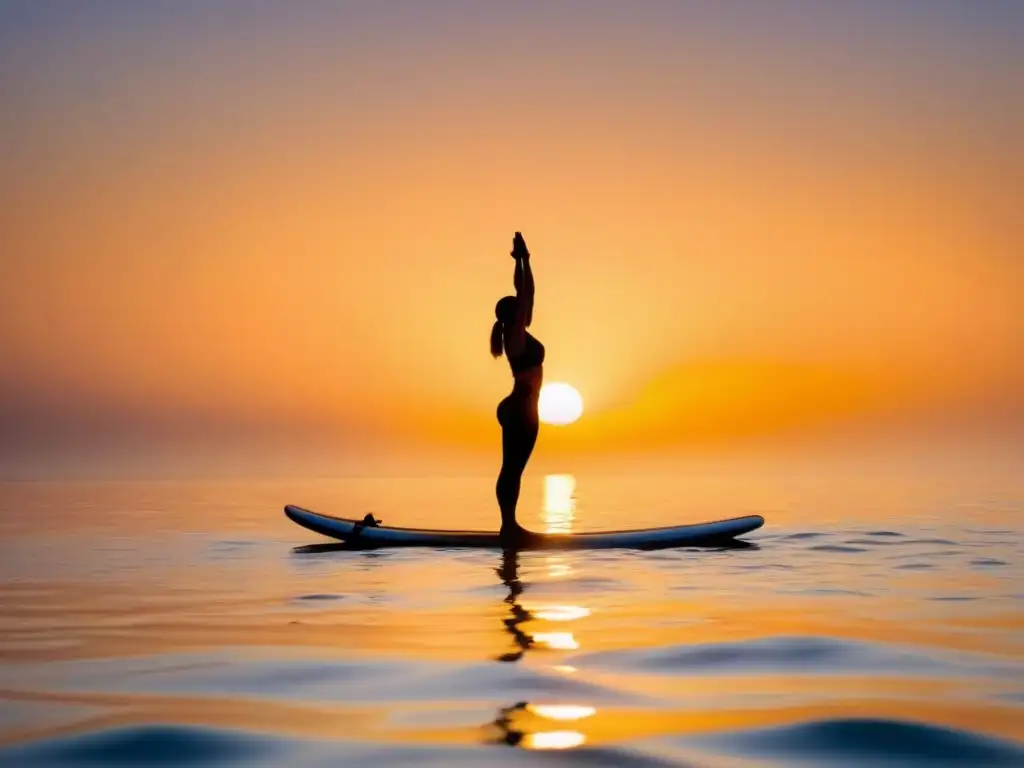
(285,217)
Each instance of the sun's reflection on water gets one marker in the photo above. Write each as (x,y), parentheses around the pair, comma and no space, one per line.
(522,615)
(559,641)
(558,568)
(562,711)
(523,724)
(560,612)
(553,740)
(559,514)
(559,503)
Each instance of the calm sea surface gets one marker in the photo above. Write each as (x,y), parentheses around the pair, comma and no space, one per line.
(877,619)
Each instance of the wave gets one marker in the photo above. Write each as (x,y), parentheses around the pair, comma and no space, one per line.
(854,741)
(795,655)
(148,745)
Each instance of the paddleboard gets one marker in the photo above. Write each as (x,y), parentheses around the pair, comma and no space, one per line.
(355,533)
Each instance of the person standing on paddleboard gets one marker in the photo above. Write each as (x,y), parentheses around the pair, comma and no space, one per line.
(517,413)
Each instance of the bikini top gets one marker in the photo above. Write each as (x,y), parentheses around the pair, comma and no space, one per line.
(531,356)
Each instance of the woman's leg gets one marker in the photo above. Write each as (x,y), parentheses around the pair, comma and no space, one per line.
(518,437)
(510,476)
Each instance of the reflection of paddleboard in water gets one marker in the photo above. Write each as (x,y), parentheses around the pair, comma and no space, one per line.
(368,534)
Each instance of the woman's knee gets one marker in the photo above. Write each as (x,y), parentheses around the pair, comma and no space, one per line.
(505,491)
(510,473)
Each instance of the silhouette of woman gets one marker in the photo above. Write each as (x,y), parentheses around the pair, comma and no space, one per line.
(517,413)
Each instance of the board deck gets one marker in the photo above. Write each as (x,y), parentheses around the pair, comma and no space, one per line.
(355,534)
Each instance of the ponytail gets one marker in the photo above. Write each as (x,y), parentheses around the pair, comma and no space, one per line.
(497,341)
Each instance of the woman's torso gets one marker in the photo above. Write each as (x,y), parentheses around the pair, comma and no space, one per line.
(527,366)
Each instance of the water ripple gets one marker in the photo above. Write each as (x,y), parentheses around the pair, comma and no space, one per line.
(855,632)
(888,742)
(148,745)
(796,655)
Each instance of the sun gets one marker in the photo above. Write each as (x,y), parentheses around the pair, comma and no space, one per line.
(560,403)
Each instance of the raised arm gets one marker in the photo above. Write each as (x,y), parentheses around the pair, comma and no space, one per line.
(523,279)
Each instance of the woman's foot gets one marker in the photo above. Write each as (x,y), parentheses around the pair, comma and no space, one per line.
(515,535)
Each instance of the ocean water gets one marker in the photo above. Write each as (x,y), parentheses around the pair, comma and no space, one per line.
(877,619)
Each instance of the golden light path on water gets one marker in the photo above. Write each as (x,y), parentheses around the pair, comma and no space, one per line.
(554,740)
(562,711)
(559,503)
(561,612)
(559,514)
(560,641)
